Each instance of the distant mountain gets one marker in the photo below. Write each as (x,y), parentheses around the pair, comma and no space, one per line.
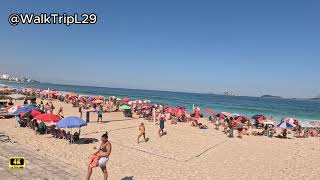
(316,98)
(270,96)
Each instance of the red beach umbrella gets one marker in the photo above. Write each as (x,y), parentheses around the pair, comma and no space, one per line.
(261,119)
(228,114)
(221,116)
(242,119)
(48,118)
(125,100)
(35,113)
(209,111)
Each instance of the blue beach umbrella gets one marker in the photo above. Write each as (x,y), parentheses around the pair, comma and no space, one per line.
(71,122)
(24,109)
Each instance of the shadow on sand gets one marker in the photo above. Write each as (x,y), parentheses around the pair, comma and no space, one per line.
(127,178)
(86,141)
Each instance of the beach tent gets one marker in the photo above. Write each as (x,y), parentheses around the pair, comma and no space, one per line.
(71,122)
(125,107)
(48,118)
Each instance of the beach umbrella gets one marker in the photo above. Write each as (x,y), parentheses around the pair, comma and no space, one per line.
(98,101)
(209,111)
(146,107)
(242,119)
(288,123)
(256,117)
(12,109)
(48,118)
(292,121)
(125,100)
(146,101)
(33,113)
(196,109)
(71,94)
(138,101)
(71,122)
(221,116)
(124,107)
(196,115)
(228,114)
(118,99)
(24,109)
(130,102)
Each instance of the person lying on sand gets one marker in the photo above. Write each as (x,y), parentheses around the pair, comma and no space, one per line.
(100,157)
(142,130)
(202,126)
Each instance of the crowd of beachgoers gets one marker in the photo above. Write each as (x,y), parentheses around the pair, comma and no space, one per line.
(39,113)
(229,122)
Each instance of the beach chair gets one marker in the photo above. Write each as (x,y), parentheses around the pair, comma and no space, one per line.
(52,130)
(59,134)
(64,134)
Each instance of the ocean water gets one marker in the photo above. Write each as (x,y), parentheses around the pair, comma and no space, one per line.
(304,110)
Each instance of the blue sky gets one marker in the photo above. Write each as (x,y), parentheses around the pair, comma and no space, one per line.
(249,47)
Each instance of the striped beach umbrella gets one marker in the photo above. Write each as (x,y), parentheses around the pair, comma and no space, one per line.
(288,123)
(12,109)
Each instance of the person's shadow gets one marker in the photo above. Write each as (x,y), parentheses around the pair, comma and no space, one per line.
(127,178)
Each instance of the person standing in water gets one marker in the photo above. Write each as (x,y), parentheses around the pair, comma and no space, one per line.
(142,130)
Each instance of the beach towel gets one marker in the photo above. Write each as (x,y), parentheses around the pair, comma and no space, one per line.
(94,161)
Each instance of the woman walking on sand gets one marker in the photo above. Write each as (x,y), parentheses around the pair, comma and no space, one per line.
(100,157)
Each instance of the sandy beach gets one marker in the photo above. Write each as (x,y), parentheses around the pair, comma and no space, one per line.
(184,153)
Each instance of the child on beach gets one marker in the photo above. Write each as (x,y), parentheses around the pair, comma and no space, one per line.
(100,111)
(160,131)
(142,130)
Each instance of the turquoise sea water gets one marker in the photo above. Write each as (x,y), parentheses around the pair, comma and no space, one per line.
(304,110)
